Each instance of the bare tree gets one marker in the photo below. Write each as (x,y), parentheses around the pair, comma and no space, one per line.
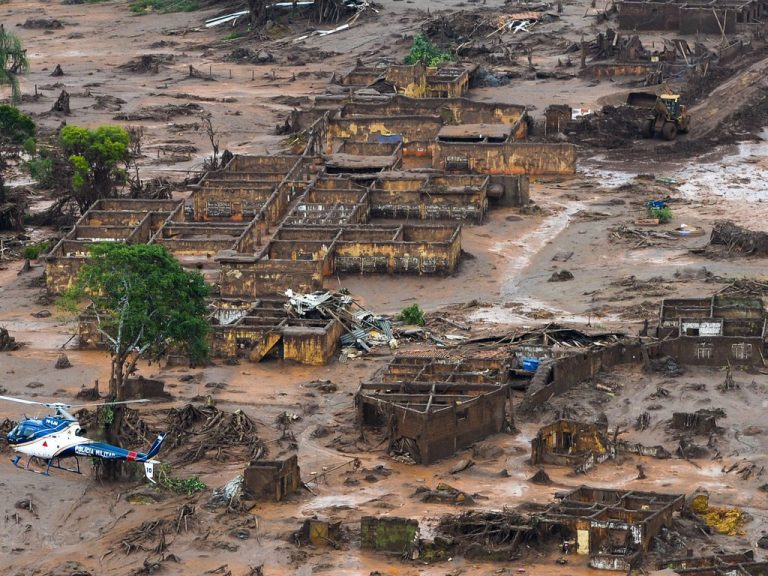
(210,131)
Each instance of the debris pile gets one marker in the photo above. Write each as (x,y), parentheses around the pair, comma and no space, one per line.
(45,23)
(739,240)
(364,329)
(207,432)
(444,494)
(486,533)
(7,342)
(6,425)
(147,63)
(249,56)
(13,205)
(162,113)
(612,127)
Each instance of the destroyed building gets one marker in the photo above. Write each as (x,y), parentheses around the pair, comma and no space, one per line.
(569,443)
(415,80)
(432,404)
(715,331)
(380,187)
(272,480)
(614,527)
(718,17)
(583,445)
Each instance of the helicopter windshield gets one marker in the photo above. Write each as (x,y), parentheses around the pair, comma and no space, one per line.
(22,432)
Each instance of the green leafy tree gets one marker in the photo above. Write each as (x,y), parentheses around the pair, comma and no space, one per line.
(144,302)
(95,156)
(15,127)
(13,61)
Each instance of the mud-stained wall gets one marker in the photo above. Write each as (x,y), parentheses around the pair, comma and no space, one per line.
(648,16)
(250,278)
(445,430)
(686,19)
(716,350)
(440,198)
(707,20)
(613,70)
(416,253)
(312,345)
(559,375)
(507,158)
(381,129)
(388,533)
(229,203)
(450,110)
(274,480)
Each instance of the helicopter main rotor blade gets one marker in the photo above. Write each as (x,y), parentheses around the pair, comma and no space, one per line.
(100,403)
(20,401)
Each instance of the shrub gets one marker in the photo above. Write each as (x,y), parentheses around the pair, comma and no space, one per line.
(41,170)
(663,214)
(186,486)
(423,50)
(33,251)
(413,314)
(14,125)
(164,6)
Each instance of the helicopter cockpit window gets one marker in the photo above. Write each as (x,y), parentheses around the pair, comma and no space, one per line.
(25,432)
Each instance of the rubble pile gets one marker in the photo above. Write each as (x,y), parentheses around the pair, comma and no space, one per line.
(205,432)
(147,63)
(487,533)
(737,239)
(363,328)
(612,127)
(7,342)
(6,425)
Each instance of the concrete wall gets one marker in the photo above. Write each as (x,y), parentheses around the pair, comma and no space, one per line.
(450,110)
(445,429)
(706,20)
(373,129)
(388,533)
(648,16)
(416,252)
(716,351)
(312,345)
(508,158)
(561,374)
(251,278)
(272,480)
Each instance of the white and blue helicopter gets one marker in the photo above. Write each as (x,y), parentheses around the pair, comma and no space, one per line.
(52,438)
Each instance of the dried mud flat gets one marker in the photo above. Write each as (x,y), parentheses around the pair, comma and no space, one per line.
(76,525)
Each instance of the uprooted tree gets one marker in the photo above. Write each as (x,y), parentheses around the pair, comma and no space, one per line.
(13,61)
(144,304)
(96,157)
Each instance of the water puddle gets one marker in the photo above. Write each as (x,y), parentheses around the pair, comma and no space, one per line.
(735,176)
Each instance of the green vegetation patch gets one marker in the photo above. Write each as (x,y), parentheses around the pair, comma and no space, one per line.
(413,314)
(15,126)
(424,51)
(163,6)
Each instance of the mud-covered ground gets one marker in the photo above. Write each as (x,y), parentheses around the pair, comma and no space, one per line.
(585,225)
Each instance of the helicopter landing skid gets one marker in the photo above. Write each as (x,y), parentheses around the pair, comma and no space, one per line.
(54,463)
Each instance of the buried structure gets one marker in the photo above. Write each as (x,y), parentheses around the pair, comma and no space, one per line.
(714,331)
(432,405)
(582,445)
(614,527)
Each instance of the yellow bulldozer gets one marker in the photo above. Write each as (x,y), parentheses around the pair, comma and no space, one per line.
(668,117)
